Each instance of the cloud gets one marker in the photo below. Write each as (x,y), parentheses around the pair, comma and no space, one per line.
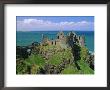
(36,24)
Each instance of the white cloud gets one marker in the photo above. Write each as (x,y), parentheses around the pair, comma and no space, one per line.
(36,24)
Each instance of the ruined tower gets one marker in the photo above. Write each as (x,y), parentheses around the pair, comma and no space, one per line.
(82,41)
(60,35)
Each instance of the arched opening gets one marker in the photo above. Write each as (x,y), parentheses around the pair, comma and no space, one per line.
(55,42)
(52,42)
(58,37)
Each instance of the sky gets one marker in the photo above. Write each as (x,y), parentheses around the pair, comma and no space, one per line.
(50,23)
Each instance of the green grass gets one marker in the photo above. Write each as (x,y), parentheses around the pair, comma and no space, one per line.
(46,48)
(21,68)
(70,70)
(34,62)
(57,58)
(83,53)
(35,59)
(67,54)
(85,69)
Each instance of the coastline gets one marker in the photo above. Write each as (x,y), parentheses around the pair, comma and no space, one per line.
(26,38)
(66,54)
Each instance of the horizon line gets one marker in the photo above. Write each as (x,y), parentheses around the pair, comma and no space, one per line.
(54,30)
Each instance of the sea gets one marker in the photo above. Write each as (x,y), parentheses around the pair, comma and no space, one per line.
(24,38)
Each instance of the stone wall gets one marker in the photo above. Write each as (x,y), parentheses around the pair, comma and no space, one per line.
(70,39)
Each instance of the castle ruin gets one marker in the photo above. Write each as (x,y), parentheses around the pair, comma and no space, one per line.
(61,40)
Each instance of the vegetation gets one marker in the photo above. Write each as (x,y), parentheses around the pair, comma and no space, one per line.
(30,65)
(70,69)
(55,59)
(85,69)
(61,60)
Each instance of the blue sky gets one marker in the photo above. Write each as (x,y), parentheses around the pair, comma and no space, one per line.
(48,23)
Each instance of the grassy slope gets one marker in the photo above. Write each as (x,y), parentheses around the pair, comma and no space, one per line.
(36,61)
(33,62)
(85,69)
(70,69)
(57,58)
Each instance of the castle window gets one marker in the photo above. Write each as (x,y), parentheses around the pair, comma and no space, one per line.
(52,42)
(58,37)
(55,42)
(79,37)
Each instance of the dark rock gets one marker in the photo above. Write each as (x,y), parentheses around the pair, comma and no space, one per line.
(23,51)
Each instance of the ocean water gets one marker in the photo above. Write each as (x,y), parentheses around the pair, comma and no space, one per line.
(26,38)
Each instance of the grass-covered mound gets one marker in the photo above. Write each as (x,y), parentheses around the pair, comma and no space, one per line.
(51,59)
